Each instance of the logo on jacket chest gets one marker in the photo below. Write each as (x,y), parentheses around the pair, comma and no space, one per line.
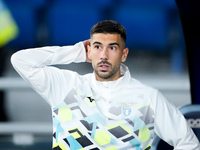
(126,108)
(90,99)
(126,111)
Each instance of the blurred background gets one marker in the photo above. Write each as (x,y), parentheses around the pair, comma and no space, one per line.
(154,36)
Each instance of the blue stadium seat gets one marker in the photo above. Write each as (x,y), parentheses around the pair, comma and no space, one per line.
(147,28)
(87,3)
(148,22)
(192,114)
(68,23)
(152,3)
(32,3)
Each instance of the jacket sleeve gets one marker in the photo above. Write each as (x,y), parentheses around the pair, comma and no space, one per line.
(172,127)
(34,66)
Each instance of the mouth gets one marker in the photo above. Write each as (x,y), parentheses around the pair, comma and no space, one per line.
(104,66)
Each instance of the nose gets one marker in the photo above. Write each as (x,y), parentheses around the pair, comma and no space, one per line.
(104,54)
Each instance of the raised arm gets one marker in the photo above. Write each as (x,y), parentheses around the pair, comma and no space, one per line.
(34,66)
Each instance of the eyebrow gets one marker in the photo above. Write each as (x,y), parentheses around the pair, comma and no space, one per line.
(115,43)
(97,43)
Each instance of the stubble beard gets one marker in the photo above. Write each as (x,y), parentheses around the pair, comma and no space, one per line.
(106,74)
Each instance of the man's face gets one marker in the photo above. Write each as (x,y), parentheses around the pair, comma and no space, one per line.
(107,51)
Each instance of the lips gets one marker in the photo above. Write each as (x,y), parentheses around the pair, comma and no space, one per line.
(104,67)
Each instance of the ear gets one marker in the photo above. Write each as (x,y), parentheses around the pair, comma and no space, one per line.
(125,54)
(89,51)
(89,58)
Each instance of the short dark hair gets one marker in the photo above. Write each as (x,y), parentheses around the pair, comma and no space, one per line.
(109,26)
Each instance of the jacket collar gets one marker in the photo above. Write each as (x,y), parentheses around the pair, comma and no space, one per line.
(123,80)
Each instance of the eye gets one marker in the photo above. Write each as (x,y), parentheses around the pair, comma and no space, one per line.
(113,48)
(97,47)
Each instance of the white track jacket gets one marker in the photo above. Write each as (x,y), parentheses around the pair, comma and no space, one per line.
(90,115)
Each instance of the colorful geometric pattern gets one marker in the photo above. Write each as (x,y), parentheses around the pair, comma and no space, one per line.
(80,124)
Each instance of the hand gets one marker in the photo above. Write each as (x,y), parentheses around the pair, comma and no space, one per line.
(86,45)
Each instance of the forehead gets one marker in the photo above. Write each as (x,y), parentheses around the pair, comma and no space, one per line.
(106,38)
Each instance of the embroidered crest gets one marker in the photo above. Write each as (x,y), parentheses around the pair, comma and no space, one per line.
(126,108)
(126,111)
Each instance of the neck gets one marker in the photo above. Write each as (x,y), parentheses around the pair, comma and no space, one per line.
(112,78)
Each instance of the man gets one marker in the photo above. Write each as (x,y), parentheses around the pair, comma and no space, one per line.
(106,109)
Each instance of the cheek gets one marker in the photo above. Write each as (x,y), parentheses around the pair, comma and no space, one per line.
(94,64)
(94,56)
(116,62)
(120,58)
